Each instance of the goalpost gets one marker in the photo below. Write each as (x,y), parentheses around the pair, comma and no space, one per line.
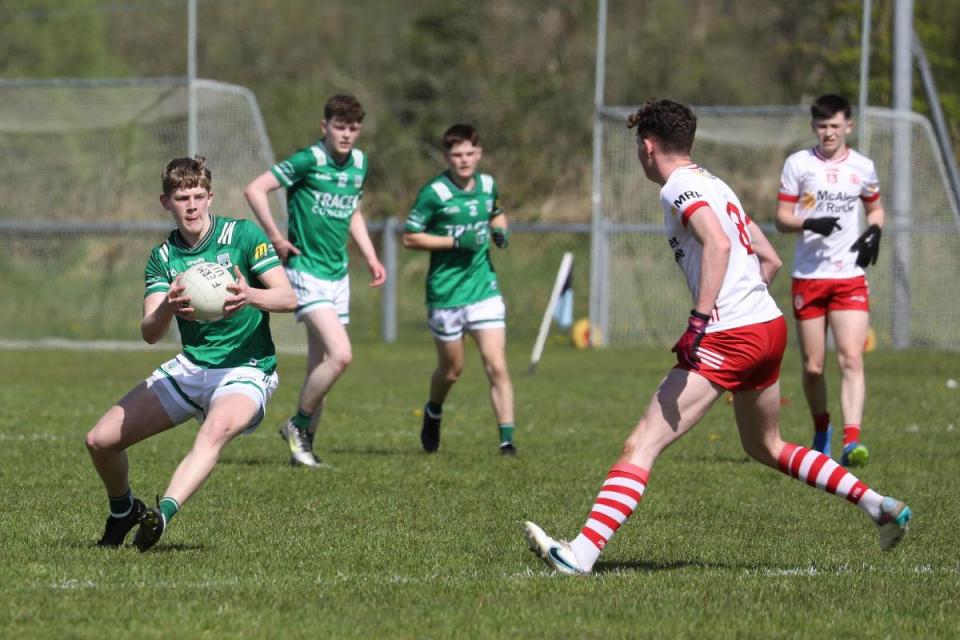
(635,296)
(81,209)
(746,146)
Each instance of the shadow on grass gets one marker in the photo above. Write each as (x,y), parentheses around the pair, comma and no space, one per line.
(651,566)
(160,548)
(376,451)
(177,547)
(268,461)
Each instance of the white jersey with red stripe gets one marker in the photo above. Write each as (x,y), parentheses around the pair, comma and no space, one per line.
(820,187)
(743,299)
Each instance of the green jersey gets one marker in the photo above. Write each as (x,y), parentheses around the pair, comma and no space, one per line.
(321,198)
(244,338)
(456,278)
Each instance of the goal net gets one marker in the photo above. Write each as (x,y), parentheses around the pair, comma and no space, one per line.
(81,176)
(639,296)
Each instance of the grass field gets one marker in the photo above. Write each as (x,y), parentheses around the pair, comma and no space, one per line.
(392,543)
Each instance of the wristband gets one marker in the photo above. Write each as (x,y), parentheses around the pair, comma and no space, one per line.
(702,316)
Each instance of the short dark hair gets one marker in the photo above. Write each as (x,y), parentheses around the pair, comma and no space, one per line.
(186,173)
(672,123)
(829,105)
(345,107)
(459,133)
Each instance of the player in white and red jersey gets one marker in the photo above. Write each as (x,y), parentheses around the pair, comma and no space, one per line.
(821,191)
(734,341)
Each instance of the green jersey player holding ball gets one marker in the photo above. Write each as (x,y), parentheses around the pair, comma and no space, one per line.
(454,218)
(224,375)
(324,184)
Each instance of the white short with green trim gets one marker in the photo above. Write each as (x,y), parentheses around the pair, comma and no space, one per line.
(186,390)
(449,323)
(315,293)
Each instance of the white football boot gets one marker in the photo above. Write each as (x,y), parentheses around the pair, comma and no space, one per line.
(556,553)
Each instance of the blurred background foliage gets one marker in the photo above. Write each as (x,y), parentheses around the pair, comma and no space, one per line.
(523,72)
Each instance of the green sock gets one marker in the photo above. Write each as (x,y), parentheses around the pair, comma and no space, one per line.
(169,508)
(506,432)
(301,420)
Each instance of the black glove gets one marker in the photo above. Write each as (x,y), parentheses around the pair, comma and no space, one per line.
(501,236)
(688,344)
(867,246)
(824,226)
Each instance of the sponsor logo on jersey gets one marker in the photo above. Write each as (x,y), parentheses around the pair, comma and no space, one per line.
(686,196)
(456,230)
(808,200)
(335,206)
(678,253)
(192,261)
(224,260)
(450,209)
(836,201)
(261,250)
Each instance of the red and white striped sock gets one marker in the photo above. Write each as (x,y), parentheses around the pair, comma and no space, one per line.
(819,471)
(618,498)
(851,433)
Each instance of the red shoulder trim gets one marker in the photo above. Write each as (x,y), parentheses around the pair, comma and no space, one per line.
(691,210)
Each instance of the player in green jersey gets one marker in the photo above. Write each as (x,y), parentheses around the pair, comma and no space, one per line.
(324,184)
(454,217)
(225,374)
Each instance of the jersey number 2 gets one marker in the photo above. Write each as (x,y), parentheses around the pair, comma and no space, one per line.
(737,217)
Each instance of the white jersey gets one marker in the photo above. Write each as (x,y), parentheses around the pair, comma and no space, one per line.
(743,299)
(820,188)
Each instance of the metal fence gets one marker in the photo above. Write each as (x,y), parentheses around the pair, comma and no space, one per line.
(84,281)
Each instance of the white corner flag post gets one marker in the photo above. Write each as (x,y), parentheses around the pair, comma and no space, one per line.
(565,265)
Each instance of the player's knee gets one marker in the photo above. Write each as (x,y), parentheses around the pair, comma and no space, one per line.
(813,368)
(93,442)
(451,373)
(215,432)
(851,361)
(497,370)
(341,360)
(97,439)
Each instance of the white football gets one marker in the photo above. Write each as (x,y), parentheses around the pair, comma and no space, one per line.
(205,284)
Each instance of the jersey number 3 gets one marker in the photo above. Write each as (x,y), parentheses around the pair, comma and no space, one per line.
(737,217)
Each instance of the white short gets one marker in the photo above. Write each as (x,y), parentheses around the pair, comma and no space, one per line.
(314,293)
(448,324)
(186,390)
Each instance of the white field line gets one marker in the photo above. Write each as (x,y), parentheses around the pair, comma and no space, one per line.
(22,437)
(341,578)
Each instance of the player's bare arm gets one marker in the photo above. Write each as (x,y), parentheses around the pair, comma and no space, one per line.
(716,255)
(422,241)
(159,309)
(360,235)
(277,296)
(257,195)
(787,221)
(770,261)
(875,213)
